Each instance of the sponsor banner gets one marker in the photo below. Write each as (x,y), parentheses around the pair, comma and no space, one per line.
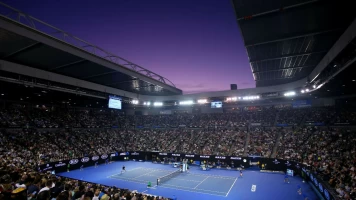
(173,154)
(204,156)
(235,158)
(105,156)
(189,156)
(220,157)
(73,161)
(112,155)
(95,158)
(85,159)
(163,154)
(46,167)
(276,161)
(60,164)
(135,154)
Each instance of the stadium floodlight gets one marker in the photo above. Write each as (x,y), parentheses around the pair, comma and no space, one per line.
(158,104)
(231,99)
(302,91)
(186,102)
(147,103)
(202,101)
(307,90)
(288,94)
(314,86)
(135,102)
(250,98)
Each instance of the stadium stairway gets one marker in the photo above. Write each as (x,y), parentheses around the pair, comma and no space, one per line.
(247,141)
(275,147)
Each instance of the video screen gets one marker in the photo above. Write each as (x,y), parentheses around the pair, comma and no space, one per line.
(216,104)
(114,102)
(290,172)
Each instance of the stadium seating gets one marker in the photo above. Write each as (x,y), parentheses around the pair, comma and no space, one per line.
(33,136)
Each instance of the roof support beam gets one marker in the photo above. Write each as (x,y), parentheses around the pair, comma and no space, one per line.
(67,65)
(98,75)
(290,38)
(50,76)
(114,83)
(21,50)
(288,56)
(277,10)
(339,45)
(281,69)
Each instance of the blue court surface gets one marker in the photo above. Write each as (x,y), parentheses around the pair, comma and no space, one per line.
(214,184)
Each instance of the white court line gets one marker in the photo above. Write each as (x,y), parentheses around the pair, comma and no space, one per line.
(194,190)
(145,174)
(201,182)
(214,176)
(182,179)
(133,169)
(231,187)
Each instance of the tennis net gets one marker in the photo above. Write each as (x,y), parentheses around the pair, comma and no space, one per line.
(165,178)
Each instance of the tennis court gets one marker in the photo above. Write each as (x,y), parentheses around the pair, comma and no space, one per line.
(199,183)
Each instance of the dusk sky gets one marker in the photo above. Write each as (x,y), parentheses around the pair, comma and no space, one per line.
(196,44)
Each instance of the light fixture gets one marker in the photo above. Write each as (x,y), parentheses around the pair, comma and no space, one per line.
(307,90)
(302,91)
(202,101)
(314,86)
(288,94)
(2,94)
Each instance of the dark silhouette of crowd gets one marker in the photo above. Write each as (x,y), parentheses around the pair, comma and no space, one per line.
(321,138)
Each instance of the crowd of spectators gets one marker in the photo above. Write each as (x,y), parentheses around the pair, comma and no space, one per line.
(43,117)
(329,151)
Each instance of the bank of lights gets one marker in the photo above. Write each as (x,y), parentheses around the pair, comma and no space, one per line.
(250,97)
(231,99)
(304,91)
(202,101)
(147,103)
(289,94)
(186,102)
(157,104)
(135,102)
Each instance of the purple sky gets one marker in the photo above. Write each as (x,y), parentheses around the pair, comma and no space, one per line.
(194,43)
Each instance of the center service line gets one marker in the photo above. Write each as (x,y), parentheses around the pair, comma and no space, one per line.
(231,187)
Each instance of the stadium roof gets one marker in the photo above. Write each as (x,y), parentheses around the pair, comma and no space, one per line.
(285,40)
(30,42)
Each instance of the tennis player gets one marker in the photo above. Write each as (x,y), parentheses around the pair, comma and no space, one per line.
(123,169)
(299,190)
(96,164)
(286,178)
(81,168)
(240,173)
